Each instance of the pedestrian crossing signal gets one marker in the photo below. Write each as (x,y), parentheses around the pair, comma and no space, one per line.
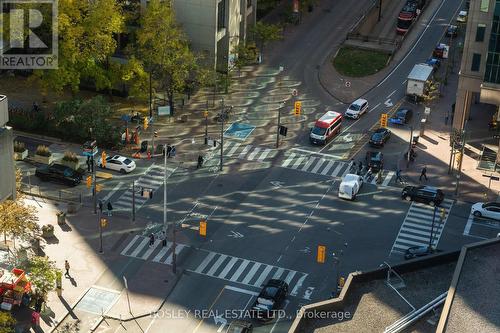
(321,254)
(283,130)
(297,108)
(103,159)
(146,123)
(383,120)
(203,228)
(442,213)
(104,222)
(459,159)
(89,181)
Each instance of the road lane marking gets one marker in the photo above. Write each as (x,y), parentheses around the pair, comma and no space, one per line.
(129,245)
(392,93)
(308,164)
(113,191)
(298,162)
(235,147)
(139,248)
(373,108)
(205,262)
(317,153)
(388,178)
(264,155)
(160,254)
(263,276)
(241,290)
(253,153)
(228,267)
(288,160)
(337,170)
(178,249)
(278,273)
(252,272)
(468,225)
(290,276)
(209,310)
(318,165)
(240,270)
(327,168)
(216,265)
(245,151)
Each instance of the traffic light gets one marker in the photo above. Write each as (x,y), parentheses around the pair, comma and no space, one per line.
(442,213)
(89,181)
(459,159)
(98,187)
(103,159)
(146,123)
(297,108)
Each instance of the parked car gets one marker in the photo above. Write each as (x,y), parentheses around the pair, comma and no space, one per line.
(118,163)
(426,194)
(269,299)
(350,186)
(452,31)
(441,51)
(434,62)
(240,326)
(401,117)
(374,160)
(380,137)
(357,108)
(462,16)
(418,251)
(489,210)
(58,173)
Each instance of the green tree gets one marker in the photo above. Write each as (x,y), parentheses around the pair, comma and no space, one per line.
(264,33)
(164,50)
(246,54)
(86,31)
(7,322)
(42,275)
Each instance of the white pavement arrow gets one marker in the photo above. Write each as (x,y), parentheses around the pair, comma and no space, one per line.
(220,320)
(308,293)
(347,138)
(306,250)
(388,103)
(277,184)
(236,234)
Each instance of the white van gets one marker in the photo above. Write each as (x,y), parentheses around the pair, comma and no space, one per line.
(325,128)
(357,108)
(350,186)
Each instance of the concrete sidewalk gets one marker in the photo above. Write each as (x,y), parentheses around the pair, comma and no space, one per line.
(78,242)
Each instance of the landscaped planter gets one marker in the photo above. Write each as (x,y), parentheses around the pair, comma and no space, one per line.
(70,164)
(21,156)
(44,159)
(48,231)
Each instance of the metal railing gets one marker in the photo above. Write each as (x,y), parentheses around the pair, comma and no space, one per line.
(372,39)
(60,194)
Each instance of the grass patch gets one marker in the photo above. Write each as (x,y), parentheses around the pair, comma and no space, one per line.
(358,62)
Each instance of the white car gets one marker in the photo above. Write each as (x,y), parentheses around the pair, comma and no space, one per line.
(350,186)
(462,16)
(118,163)
(357,108)
(489,209)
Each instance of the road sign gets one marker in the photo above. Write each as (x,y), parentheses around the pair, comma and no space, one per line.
(321,254)
(297,108)
(348,84)
(239,131)
(442,213)
(383,120)
(104,222)
(283,130)
(295,92)
(203,228)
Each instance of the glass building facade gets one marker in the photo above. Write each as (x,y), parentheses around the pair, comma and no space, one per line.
(492,73)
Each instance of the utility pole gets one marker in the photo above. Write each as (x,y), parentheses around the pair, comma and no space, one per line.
(279,124)
(459,173)
(452,154)
(222,137)
(379,10)
(150,94)
(409,147)
(206,124)
(165,188)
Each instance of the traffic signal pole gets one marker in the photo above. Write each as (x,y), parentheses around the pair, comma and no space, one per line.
(222,137)
(279,124)
(94,190)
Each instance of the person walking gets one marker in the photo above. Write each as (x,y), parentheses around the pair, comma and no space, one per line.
(423,173)
(66,267)
(200,162)
(398,176)
(110,208)
(151,240)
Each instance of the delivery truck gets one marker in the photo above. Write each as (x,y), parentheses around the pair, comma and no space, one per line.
(418,81)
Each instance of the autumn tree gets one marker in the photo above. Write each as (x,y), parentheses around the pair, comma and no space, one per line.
(164,51)
(86,31)
(7,322)
(42,275)
(263,33)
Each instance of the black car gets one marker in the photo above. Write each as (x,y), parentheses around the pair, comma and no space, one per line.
(380,137)
(59,173)
(240,326)
(426,194)
(418,251)
(269,299)
(452,31)
(401,117)
(375,160)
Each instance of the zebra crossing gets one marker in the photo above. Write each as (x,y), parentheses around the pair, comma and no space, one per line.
(139,248)
(417,226)
(247,272)
(248,152)
(327,167)
(151,179)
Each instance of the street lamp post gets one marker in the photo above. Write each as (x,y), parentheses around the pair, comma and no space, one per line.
(222,136)
(459,167)
(279,124)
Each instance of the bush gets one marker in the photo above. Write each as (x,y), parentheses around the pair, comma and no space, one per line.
(43,151)
(70,157)
(19,147)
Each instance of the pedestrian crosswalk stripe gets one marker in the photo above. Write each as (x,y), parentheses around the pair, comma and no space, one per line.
(253,153)
(308,163)
(205,262)
(233,149)
(228,267)
(278,273)
(347,170)
(263,275)
(139,248)
(178,249)
(150,250)
(264,155)
(415,237)
(298,162)
(337,170)
(217,264)
(240,270)
(245,151)
(327,168)
(388,178)
(290,276)
(318,165)
(129,245)
(251,273)
(160,254)
(288,160)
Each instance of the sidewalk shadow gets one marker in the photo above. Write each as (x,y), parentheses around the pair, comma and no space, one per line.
(65,227)
(73,281)
(52,240)
(48,316)
(434,142)
(68,307)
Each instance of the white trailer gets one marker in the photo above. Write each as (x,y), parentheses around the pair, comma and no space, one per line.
(418,80)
